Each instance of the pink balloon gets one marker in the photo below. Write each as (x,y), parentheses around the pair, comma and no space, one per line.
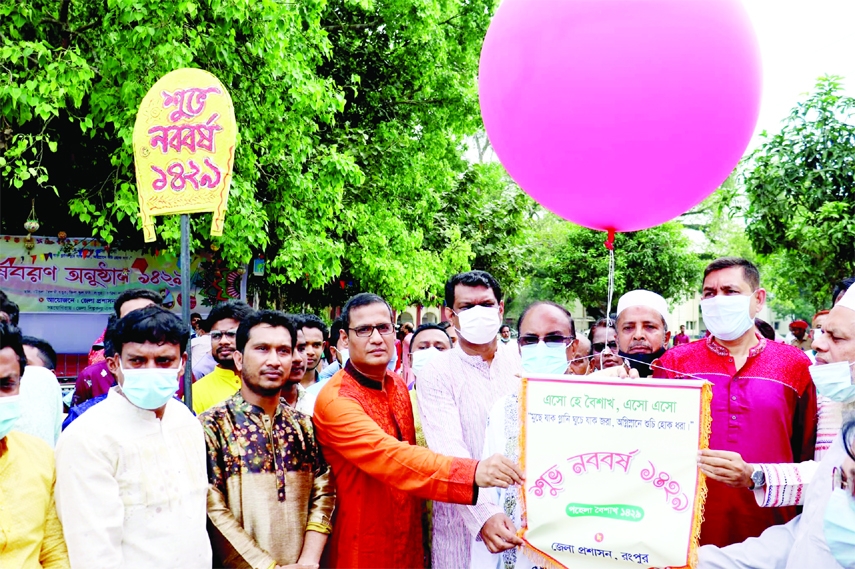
(620,114)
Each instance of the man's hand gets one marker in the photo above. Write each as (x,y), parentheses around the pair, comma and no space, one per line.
(726,466)
(499,534)
(497,471)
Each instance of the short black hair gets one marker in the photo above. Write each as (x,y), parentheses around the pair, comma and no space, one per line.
(233,309)
(841,286)
(152,324)
(600,323)
(428,326)
(547,303)
(10,337)
(10,308)
(473,279)
(46,351)
(749,270)
(273,318)
(358,301)
(109,350)
(195,315)
(312,321)
(765,329)
(503,326)
(133,294)
(335,330)
(847,435)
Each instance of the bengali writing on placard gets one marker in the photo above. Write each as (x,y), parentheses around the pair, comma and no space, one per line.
(610,469)
(611,412)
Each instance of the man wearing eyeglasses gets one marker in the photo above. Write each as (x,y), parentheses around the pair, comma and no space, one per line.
(547,340)
(604,346)
(364,423)
(224,381)
(823,535)
(456,390)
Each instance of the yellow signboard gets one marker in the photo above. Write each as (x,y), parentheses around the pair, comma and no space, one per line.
(184,148)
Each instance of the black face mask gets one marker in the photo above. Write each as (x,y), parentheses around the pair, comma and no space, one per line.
(644,361)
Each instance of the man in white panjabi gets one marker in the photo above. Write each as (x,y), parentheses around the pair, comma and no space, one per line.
(131,484)
(455,392)
(546,340)
(802,543)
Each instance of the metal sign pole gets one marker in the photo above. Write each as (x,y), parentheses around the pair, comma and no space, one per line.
(185,305)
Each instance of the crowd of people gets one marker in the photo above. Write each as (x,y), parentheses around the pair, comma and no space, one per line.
(368,445)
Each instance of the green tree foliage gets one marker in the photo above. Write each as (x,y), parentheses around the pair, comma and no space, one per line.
(801,212)
(574,261)
(352,117)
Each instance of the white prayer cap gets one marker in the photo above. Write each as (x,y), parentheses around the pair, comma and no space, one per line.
(848,300)
(645,298)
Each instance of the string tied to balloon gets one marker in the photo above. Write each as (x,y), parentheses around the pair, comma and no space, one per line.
(610,245)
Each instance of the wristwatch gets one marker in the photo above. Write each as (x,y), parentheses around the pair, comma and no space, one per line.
(758,478)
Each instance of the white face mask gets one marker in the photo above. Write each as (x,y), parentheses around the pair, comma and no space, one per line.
(422,357)
(345,355)
(479,324)
(834,381)
(727,317)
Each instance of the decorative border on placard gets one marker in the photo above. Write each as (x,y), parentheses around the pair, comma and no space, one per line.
(705,426)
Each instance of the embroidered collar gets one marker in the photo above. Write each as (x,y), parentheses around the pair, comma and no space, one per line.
(361,378)
(475,361)
(248,409)
(720,350)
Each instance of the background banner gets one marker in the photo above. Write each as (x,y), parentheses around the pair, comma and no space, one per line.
(80,275)
(611,471)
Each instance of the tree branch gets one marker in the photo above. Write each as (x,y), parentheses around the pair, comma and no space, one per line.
(373,24)
(416,102)
(63,12)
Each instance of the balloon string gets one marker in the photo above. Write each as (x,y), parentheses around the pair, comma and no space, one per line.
(611,280)
(681,374)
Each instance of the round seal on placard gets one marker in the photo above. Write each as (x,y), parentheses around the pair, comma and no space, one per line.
(599,538)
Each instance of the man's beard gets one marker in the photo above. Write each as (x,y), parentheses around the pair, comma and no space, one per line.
(644,361)
(228,362)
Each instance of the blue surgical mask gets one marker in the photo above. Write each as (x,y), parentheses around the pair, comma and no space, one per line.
(10,410)
(542,359)
(150,387)
(834,381)
(839,527)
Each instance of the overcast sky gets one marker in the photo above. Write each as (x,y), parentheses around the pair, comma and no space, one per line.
(799,41)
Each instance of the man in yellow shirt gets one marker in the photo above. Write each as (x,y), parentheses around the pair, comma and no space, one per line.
(30,531)
(224,381)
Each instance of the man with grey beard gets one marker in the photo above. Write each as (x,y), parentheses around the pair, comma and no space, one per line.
(812,539)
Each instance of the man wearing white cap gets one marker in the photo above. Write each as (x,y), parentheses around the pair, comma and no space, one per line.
(642,329)
(824,534)
(764,407)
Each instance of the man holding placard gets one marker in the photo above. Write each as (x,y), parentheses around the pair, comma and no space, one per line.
(764,403)
(824,534)
(610,463)
(364,423)
(455,393)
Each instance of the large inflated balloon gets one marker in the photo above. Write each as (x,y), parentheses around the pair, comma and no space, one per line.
(620,114)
